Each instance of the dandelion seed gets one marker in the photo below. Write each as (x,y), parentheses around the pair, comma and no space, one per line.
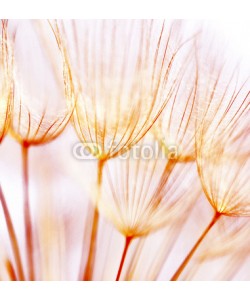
(222,150)
(139,195)
(39,113)
(119,76)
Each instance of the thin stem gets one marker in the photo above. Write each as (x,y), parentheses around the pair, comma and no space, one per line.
(27,214)
(192,251)
(12,236)
(88,274)
(10,270)
(125,251)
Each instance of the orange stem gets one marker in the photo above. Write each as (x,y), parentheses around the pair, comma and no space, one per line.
(12,236)
(27,214)
(125,251)
(10,270)
(88,274)
(192,251)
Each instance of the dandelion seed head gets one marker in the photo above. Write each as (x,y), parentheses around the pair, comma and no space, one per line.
(122,78)
(222,142)
(39,113)
(145,197)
